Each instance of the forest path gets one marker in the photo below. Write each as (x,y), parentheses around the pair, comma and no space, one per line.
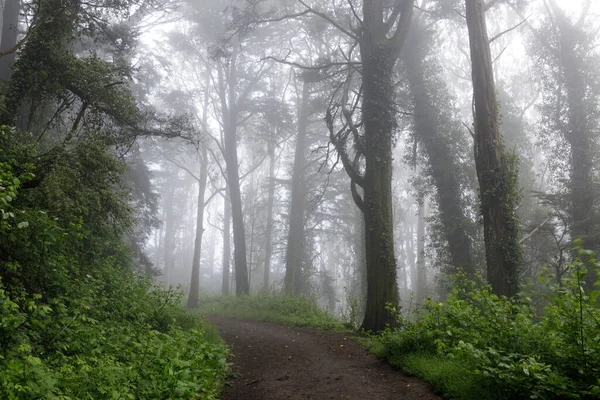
(281,362)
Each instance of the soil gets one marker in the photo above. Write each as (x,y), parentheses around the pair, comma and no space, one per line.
(273,361)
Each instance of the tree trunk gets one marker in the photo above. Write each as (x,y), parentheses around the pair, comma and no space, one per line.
(226,246)
(169,241)
(361,263)
(430,123)
(237,217)
(421,275)
(380,122)
(269,228)
(229,109)
(195,282)
(295,243)
(10,33)
(496,176)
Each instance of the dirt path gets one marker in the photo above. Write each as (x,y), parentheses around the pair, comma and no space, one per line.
(279,362)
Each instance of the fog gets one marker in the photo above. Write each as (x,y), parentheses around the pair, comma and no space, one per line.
(260,155)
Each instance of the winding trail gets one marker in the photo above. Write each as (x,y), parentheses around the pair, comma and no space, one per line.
(279,362)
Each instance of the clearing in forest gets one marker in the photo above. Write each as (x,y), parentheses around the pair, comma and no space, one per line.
(281,362)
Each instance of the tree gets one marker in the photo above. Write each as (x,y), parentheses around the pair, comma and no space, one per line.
(496,171)
(438,133)
(10,32)
(195,280)
(381,35)
(296,234)
(564,51)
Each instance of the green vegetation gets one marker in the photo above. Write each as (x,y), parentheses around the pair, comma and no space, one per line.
(75,321)
(478,345)
(273,307)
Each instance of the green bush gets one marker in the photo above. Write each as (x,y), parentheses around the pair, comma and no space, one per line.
(502,346)
(75,321)
(273,307)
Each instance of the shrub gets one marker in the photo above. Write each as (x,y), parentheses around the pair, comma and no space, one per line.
(75,321)
(502,344)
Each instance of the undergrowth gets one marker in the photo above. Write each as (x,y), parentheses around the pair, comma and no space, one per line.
(273,307)
(75,321)
(477,345)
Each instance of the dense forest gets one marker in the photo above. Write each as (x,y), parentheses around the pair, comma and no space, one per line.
(424,171)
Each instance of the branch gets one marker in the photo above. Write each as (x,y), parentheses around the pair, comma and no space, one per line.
(491,3)
(533,232)
(469,129)
(212,196)
(14,48)
(508,30)
(341,150)
(179,166)
(584,13)
(328,19)
(401,33)
(389,24)
(313,68)
(360,202)
(362,23)
(284,17)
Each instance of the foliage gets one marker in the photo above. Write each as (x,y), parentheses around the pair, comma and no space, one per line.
(276,307)
(75,321)
(479,340)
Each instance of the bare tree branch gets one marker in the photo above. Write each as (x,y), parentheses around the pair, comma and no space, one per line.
(533,232)
(489,4)
(339,145)
(313,68)
(399,37)
(328,19)
(508,30)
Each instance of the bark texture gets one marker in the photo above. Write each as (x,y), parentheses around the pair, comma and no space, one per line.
(195,281)
(269,227)
(10,32)
(295,243)
(495,176)
(431,125)
(229,107)
(225,289)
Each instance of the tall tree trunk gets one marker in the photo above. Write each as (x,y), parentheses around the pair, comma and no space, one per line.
(227,91)
(430,123)
(380,122)
(211,252)
(169,241)
(226,246)
(380,43)
(237,217)
(251,192)
(496,175)
(578,133)
(360,263)
(195,282)
(269,228)
(10,33)
(421,275)
(295,244)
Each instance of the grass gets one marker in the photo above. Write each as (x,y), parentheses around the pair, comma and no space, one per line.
(273,307)
(450,378)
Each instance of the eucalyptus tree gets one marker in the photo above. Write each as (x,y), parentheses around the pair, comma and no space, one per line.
(439,135)
(296,235)
(565,51)
(496,170)
(378,29)
(9,38)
